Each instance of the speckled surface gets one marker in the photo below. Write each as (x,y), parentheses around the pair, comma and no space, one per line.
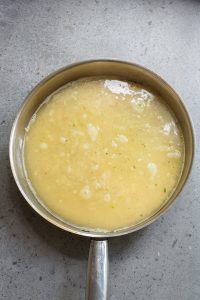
(39,261)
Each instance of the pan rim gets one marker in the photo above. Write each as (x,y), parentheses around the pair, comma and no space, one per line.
(73,228)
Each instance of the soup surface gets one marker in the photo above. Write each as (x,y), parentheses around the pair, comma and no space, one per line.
(103,153)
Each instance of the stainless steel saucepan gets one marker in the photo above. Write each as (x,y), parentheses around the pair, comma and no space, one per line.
(97,278)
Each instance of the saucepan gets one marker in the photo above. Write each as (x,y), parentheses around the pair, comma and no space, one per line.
(97,278)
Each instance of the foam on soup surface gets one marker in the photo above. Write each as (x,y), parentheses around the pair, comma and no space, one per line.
(103,153)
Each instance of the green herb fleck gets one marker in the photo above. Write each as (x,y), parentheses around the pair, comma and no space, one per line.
(165,190)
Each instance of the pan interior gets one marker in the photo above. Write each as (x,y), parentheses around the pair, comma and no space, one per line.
(124,139)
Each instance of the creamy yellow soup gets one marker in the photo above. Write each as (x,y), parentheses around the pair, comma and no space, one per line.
(103,153)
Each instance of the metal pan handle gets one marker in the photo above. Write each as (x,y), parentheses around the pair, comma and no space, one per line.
(97,277)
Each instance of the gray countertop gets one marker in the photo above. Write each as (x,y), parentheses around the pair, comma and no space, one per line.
(39,261)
